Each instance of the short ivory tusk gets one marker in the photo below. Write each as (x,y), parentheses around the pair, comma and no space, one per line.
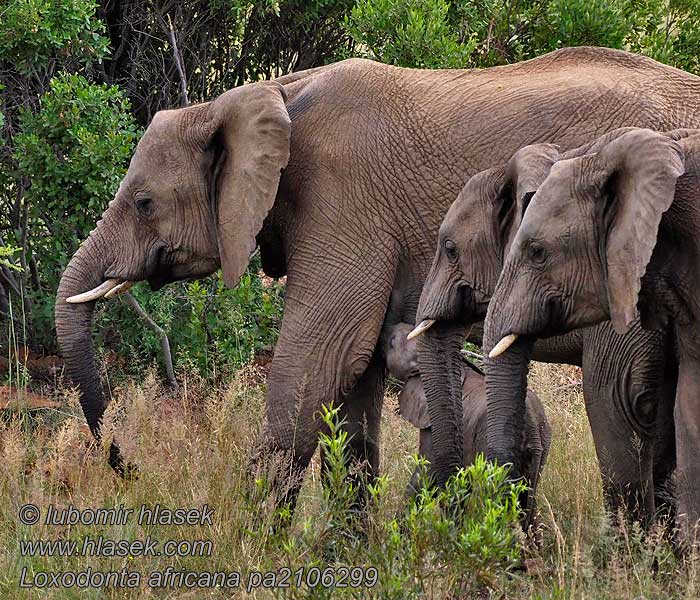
(503,345)
(96,293)
(124,286)
(421,328)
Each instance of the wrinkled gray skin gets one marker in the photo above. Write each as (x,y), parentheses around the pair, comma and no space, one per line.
(607,236)
(372,157)
(401,357)
(628,385)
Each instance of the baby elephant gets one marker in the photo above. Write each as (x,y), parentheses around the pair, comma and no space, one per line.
(402,362)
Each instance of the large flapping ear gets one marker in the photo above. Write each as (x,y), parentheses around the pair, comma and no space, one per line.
(506,189)
(682,134)
(635,177)
(510,187)
(250,133)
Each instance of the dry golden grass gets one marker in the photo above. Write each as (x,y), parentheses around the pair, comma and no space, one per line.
(193,449)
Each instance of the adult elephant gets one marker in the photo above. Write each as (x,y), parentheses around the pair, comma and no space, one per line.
(372,156)
(628,380)
(613,235)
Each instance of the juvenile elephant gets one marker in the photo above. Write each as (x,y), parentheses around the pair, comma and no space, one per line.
(606,236)
(401,358)
(628,381)
(341,175)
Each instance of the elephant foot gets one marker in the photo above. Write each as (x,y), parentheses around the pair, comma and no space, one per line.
(125,470)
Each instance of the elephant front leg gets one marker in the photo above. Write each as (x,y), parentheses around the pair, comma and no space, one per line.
(326,355)
(624,456)
(687,423)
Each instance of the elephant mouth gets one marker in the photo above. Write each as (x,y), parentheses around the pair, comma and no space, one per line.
(162,267)
(159,281)
(170,272)
(463,310)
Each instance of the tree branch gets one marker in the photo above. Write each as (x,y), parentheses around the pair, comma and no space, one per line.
(160,332)
(177,57)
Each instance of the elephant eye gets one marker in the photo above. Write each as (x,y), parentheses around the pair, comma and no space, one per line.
(144,204)
(536,253)
(451,251)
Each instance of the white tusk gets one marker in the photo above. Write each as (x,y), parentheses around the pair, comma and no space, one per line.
(96,293)
(120,289)
(503,345)
(420,328)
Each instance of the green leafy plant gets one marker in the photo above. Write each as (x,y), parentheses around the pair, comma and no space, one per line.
(411,33)
(74,151)
(33,32)
(213,330)
(6,253)
(455,540)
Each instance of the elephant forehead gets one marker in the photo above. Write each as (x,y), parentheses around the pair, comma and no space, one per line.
(467,209)
(158,145)
(171,140)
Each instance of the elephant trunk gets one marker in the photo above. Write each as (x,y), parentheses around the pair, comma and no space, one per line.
(440,368)
(73,327)
(506,390)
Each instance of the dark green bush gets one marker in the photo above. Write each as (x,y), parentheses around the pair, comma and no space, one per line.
(482,33)
(414,33)
(74,151)
(35,32)
(213,329)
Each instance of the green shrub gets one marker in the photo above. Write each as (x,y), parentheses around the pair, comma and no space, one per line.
(565,23)
(482,33)
(33,32)
(213,329)
(410,33)
(447,542)
(7,253)
(74,151)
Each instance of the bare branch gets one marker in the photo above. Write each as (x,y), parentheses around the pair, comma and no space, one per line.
(160,332)
(177,57)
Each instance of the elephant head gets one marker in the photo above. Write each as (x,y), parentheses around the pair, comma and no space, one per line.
(472,240)
(198,188)
(582,250)
(401,358)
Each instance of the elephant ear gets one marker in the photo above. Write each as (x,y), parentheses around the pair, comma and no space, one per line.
(596,145)
(635,178)
(413,405)
(249,131)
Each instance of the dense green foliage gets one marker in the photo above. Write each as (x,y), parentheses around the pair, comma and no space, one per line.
(79,80)
(457,539)
(417,33)
(76,146)
(213,329)
(37,32)
(482,33)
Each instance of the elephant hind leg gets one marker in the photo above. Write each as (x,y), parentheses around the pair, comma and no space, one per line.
(622,389)
(361,412)
(665,445)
